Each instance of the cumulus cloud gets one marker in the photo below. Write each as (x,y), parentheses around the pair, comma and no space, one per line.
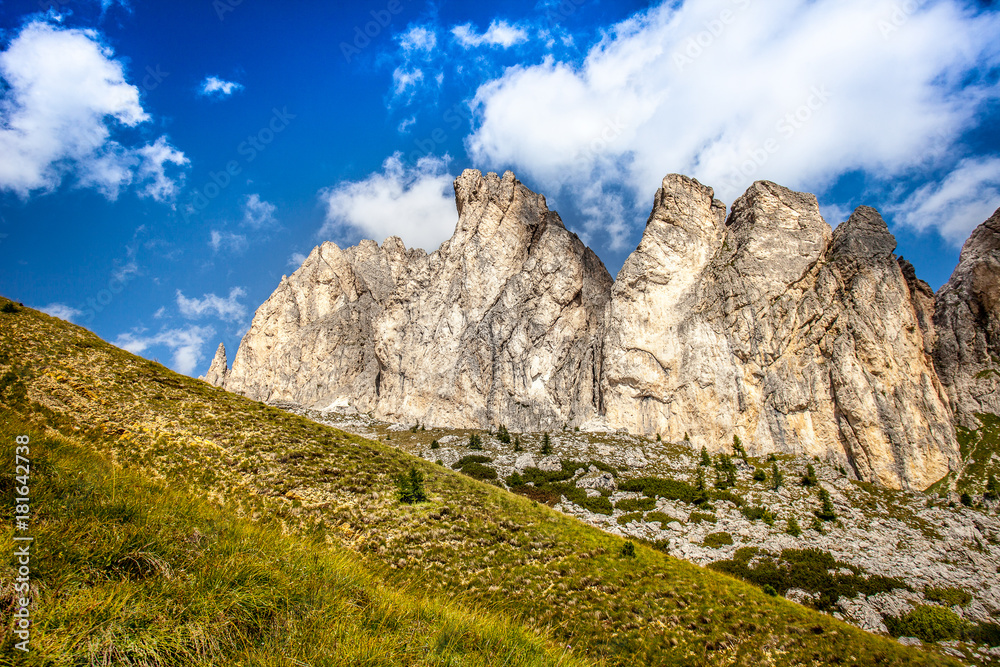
(211,305)
(227,241)
(500,33)
(415,203)
(213,86)
(296,259)
(186,345)
(62,311)
(406,81)
(795,91)
(64,94)
(418,38)
(258,213)
(956,205)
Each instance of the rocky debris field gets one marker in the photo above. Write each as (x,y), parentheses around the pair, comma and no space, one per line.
(886,553)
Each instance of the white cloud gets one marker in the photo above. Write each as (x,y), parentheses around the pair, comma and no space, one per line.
(296,259)
(62,311)
(418,38)
(415,203)
(500,33)
(185,344)
(794,91)
(258,213)
(213,86)
(404,80)
(64,94)
(211,305)
(220,240)
(956,205)
(406,124)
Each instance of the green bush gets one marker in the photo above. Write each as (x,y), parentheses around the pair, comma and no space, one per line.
(517,444)
(929,623)
(759,475)
(810,479)
(626,519)
(949,596)
(479,471)
(627,550)
(706,460)
(471,458)
(966,499)
(992,489)
(738,448)
(411,487)
(725,472)
(435,444)
(546,445)
(769,590)
(9,307)
(597,504)
(475,442)
(655,487)
(728,495)
(698,517)
(717,540)
(777,479)
(793,527)
(515,480)
(825,512)
(661,518)
(636,504)
(758,514)
(503,435)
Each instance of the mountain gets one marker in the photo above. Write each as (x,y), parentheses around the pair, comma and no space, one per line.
(176,523)
(764,325)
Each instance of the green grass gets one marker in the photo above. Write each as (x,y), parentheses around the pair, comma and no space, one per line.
(274,490)
(977,448)
(128,571)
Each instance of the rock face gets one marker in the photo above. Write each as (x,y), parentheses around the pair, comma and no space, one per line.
(769,326)
(499,325)
(765,324)
(967,319)
(219,370)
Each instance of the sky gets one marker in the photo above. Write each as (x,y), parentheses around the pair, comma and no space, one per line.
(163,164)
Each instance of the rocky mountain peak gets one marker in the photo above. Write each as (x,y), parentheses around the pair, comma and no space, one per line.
(219,369)
(864,236)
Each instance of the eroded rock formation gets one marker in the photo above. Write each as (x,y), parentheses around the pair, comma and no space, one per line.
(766,324)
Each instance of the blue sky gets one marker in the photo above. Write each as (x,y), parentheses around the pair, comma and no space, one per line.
(163,164)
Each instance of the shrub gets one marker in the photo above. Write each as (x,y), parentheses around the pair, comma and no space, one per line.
(603,467)
(729,496)
(698,517)
(966,499)
(793,527)
(636,504)
(435,444)
(738,448)
(8,307)
(992,489)
(759,475)
(658,438)
(758,514)
(515,480)
(503,435)
(718,540)
(661,518)
(411,487)
(471,458)
(479,471)
(725,472)
(777,479)
(985,633)
(929,623)
(475,442)
(546,445)
(627,550)
(949,596)
(826,511)
(771,458)
(597,504)
(662,488)
(517,444)
(809,479)
(626,519)
(769,590)
(706,460)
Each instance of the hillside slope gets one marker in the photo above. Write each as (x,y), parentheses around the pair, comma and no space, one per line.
(472,542)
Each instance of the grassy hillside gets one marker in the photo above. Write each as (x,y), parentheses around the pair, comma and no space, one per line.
(471,542)
(134,573)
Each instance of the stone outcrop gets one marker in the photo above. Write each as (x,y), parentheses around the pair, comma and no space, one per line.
(770,326)
(219,370)
(967,320)
(499,325)
(766,324)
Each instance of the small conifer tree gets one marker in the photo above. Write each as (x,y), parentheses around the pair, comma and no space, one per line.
(706,460)
(992,489)
(777,479)
(809,479)
(546,445)
(475,442)
(517,444)
(793,527)
(411,487)
(738,449)
(826,511)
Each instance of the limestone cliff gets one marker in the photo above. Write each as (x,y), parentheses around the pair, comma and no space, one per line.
(770,326)
(967,320)
(766,324)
